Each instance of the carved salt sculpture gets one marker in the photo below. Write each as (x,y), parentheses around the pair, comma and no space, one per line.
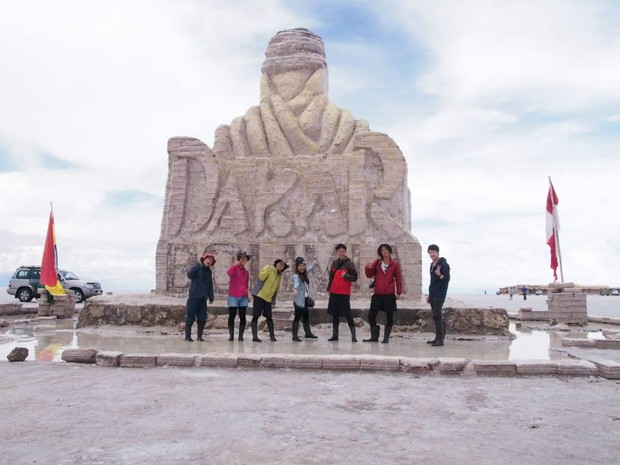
(294,176)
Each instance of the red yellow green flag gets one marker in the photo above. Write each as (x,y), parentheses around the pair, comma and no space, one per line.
(49,265)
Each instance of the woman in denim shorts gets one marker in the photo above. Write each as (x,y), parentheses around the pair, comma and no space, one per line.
(238,294)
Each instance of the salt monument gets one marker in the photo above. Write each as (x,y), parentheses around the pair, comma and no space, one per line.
(293,176)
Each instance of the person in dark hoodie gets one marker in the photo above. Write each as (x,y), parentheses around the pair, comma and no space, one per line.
(200,289)
(341,275)
(437,290)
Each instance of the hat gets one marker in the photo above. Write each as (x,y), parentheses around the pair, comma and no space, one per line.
(243,253)
(278,261)
(300,261)
(202,259)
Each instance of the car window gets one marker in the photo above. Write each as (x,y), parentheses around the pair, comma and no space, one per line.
(69,276)
(23,274)
(36,274)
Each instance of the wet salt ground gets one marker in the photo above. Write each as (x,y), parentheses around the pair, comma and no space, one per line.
(46,343)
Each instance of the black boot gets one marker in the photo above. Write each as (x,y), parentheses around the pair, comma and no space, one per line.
(308,331)
(296,332)
(272,336)
(353,338)
(254,326)
(374,333)
(201,328)
(231,332)
(386,334)
(334,332)
(241,330)
(188,333)
(438,334)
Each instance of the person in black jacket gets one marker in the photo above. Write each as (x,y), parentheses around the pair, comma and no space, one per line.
(200,289)
(437,290)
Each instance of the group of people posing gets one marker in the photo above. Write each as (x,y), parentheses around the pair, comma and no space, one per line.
(386,284)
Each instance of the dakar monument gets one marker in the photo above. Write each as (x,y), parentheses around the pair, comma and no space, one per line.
(294,176)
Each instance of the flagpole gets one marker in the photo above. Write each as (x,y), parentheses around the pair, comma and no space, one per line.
(556,235)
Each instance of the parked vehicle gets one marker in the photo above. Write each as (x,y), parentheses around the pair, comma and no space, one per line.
(24,284)
(615,292)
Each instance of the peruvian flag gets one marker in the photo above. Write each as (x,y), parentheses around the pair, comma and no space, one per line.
(553,226)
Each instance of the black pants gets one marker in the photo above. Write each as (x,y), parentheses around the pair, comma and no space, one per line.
(378,303)
(232,313)
(301,313)
(196,310)
(436,306)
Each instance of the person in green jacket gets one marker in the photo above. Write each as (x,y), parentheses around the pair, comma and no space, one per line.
(265,292)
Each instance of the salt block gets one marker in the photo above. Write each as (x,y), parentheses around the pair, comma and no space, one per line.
(418,365)
(272,361)
(176,360)
(249,360)
(536,367)
(448,365)
(577,342)
(341,362)
(138,361)
(303,361)
(79,355)
(607,343)
(495,367)
(607,368)
(379,363)
(219,360)
(108,358)
(577,367)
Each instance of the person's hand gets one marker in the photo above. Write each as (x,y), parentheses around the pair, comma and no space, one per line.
(236,263)
(428,299)
(210,300)
(397,296)
(294,291)
(344,273)
(370,263)
(438,270)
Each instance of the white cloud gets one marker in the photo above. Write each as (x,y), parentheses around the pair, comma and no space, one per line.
(504,95)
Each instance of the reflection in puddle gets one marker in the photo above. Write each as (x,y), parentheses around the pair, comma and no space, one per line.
(46,339)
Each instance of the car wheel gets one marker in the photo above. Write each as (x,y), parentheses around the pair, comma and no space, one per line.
(79,295)
(24,294)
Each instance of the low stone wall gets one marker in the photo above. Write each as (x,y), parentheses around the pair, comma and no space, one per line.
(441,365)
(473,321)
(15,309)
(99,313)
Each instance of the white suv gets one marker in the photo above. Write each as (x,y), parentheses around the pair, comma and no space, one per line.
(24,284)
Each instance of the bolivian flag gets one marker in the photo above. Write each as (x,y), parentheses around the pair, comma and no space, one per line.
(49,265)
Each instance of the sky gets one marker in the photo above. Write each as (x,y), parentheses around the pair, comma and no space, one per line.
(486,100)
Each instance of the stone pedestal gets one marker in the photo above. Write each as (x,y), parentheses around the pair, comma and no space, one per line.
(567,304)
(283,318)
(63,306)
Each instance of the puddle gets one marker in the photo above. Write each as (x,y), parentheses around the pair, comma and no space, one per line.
(47,338)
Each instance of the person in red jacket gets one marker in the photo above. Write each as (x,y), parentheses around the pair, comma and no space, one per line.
(388,287)
(341,275)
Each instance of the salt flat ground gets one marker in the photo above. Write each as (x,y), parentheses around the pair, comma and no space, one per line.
(79,414)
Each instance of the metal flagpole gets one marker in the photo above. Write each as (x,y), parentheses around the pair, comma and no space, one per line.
(556,235)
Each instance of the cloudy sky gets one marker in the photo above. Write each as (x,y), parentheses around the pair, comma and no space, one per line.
(486,99)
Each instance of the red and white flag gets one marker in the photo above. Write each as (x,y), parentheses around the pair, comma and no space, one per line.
(553,226)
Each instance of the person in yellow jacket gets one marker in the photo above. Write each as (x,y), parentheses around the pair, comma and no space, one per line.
(265,292)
